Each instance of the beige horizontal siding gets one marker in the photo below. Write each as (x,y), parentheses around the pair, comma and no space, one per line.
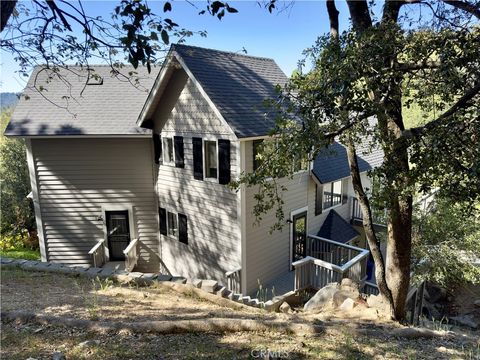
(211,208)
(77,177)
(268,255)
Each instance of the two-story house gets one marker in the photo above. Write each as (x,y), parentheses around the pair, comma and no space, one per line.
(139,165)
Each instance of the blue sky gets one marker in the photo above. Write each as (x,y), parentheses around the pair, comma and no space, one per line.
(281,35)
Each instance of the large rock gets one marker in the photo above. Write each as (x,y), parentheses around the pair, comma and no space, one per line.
(466,320)
(377,302)
(340,296)
(347,305)
(321,298)
(285,308)
(349,285)
(435,293)
(57,355)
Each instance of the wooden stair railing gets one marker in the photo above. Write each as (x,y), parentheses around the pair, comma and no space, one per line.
(97,253)
(131,255)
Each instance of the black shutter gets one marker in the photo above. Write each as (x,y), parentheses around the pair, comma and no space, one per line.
(197,158)
(182,229)
(162,214)
(223,161)
(157,146)
(178,147)
(318,199)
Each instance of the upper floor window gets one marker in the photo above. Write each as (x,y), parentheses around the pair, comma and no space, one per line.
(332,194)
(172,225)
(210,150)
(168,157)
(300,163)
(257,149)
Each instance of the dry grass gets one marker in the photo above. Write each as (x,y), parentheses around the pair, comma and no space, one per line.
(81,298)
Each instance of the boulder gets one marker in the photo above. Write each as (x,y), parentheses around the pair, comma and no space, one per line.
(349,285)
(477,303)
(340,296)
(57,355)
(285,308)
(434,293)
(466,320)
(377,302)
(321,298)
(347,305)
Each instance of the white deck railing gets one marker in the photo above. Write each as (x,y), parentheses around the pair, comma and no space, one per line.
(131,255)
(329,261)
(97,253)
(234,280)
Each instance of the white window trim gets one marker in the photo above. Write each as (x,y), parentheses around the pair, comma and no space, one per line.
(204,154)
(164,162)
(341,195)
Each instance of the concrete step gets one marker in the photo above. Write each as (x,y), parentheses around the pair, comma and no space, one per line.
(227,294)
(209,286)
(221,291)
(246,300)
(178,280)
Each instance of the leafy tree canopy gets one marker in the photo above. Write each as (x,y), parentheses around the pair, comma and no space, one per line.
(57,32)
(357,88)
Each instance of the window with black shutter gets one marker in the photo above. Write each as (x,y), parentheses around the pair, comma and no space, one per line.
(179,153)
(211,159)
(182,229)
(318,199)
(223,161)
(197,158)
(157,147)
(162,214)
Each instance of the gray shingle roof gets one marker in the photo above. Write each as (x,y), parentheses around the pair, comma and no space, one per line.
(237,85)
(108,109)
(336,228)
(331,164)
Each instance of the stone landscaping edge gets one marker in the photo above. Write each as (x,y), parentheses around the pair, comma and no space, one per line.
(145,279)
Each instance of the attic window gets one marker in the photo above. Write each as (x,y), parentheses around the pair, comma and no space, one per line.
(94,79)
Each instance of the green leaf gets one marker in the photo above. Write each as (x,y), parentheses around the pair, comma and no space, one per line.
(231,9)
(167,7)
(153,36)
(165,37)
(216,5)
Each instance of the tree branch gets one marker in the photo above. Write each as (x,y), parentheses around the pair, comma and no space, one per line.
(460,104)
(419,66)
(56,10)
(473,9)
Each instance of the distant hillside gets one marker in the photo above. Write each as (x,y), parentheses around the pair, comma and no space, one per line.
(8,99)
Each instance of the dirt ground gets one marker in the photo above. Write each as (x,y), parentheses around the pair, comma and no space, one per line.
(75,297)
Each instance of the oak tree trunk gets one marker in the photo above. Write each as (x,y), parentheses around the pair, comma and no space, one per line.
(6,10)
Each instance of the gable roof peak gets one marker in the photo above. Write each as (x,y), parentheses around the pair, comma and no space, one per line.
(183,47)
